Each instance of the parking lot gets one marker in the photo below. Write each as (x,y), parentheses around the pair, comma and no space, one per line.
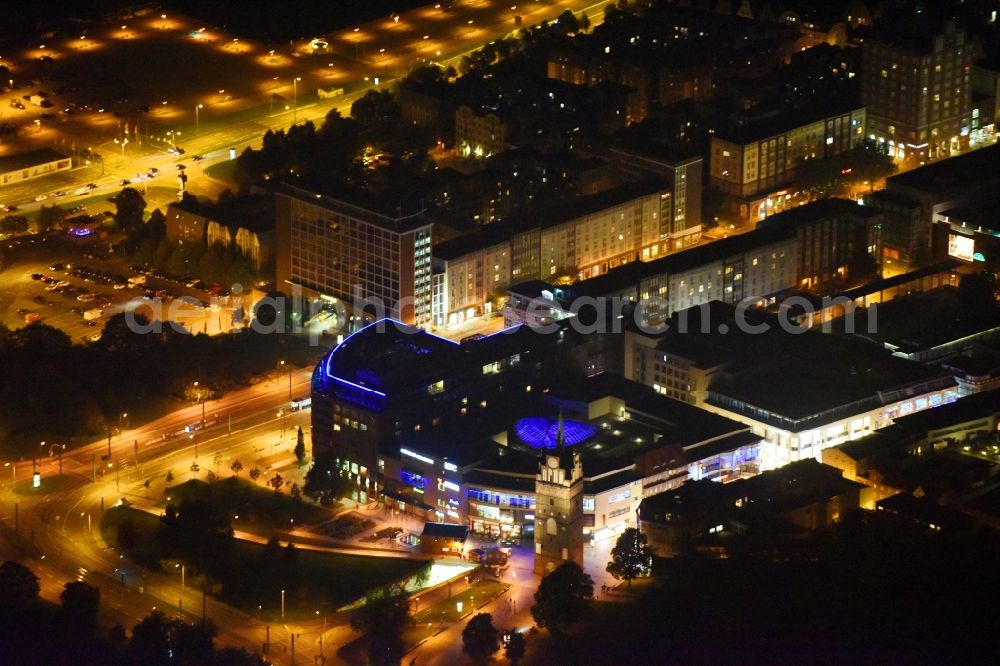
(75,288)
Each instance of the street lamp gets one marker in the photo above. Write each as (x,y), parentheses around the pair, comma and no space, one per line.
(62,447)
(201,399)
(123,143)
(295,98)
(282,604)
(197,119)
(280,365)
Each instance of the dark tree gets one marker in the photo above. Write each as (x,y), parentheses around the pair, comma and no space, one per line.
(116,635)
(18,584)
(561,598)
(129,208)
(128,535)
(515,647)
(80,603)
(276,482)
(631,557)
(323,484)
(14,224)
(150,642)
(382,618)
(48,217)
(377,114)
(300,446)
(479,638)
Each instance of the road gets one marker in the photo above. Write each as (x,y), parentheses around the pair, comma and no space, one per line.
(60,529)
(381,50)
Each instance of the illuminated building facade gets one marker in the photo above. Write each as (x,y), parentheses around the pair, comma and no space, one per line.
(582,239)
(391,383)
(755,164)
(335,249)
(479,134)
(918,91)
(559,510)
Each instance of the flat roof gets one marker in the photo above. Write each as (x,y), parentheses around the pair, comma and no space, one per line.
(396,214)
(970,408)
(390,358)
(818,210)
(787,119)
(445,530)
(976,167)
(29,159)
(924,320)
(700,255)
(544,218)
(784,375)
(945,266)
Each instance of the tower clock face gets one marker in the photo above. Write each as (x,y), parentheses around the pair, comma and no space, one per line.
(553,462)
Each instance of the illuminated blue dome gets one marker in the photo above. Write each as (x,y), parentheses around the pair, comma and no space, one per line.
(542,433)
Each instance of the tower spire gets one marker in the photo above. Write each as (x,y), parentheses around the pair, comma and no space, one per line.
(560,435)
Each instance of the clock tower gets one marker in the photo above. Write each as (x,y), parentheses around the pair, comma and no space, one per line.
(558,509)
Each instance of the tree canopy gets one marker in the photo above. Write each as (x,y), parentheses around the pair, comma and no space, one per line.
(479,637)
(631,556)
(562,596)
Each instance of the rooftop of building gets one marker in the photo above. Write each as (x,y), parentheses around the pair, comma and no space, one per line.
(445,531)
(912,31)
(978,363)
(543,218)
(608,443)
(765,370)
(768,377)
(782,119)
(981,218)
(955,173)
(700,255)
(399,214)
(251,211)
(391,358)
(881,284)
(970,408)
(29,159)
(922,321)
(818,210)
(793,486)
(887,440)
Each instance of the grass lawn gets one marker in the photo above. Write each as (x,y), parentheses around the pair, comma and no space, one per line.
(325,582)
(447,610)
(315,581)
(50,481)
(224,171)
(260,509)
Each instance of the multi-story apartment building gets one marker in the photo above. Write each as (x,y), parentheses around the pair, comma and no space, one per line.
(582,239)
(918,90)
(332,248)
(479,133)
(755,164)
(809,247)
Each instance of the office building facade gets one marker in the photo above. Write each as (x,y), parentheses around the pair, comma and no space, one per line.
(369,259)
